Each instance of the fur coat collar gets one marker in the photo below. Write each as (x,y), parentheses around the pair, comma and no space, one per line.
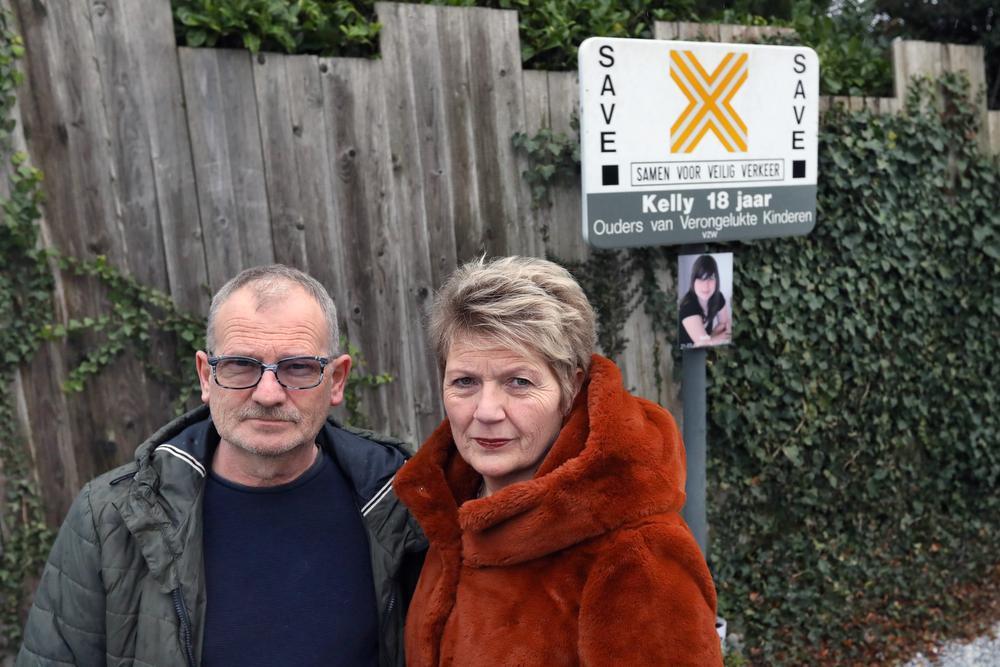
(618,458)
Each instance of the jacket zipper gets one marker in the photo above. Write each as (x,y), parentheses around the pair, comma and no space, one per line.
(185,619)
(390,606)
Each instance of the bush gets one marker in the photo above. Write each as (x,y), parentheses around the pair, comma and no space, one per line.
(853,463)
(550,31)
(327,27)
(855,60)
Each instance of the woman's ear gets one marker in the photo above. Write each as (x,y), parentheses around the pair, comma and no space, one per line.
(578,377)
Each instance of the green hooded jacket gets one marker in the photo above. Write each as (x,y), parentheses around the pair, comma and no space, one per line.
(124,585)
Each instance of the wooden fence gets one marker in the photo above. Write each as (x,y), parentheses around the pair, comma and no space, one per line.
(184,166)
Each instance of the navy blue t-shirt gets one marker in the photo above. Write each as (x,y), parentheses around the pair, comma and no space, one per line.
(287,574)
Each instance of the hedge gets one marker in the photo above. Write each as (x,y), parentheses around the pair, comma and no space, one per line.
(855,59)
(854,458)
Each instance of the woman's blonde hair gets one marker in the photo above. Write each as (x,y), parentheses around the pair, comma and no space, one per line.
(521,303)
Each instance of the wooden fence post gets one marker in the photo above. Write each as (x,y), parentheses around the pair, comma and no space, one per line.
(912,58)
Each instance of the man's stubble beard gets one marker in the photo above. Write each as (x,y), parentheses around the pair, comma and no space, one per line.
(260,412)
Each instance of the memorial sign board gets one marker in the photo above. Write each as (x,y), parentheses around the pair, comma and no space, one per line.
(692,142)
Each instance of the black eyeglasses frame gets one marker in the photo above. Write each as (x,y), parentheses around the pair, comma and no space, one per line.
(214,362)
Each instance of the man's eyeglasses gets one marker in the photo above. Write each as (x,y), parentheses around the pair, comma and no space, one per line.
(246,372)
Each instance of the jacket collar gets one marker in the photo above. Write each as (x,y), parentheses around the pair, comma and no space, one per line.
(162,506)
(617,458)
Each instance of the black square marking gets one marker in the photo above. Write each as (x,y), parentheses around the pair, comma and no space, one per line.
(609,174)
(798,168)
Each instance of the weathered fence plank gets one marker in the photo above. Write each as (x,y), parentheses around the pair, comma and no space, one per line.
(67,133)
(458,75)
(499,100)
(71,138)
(932,59)
(715,32)
(968,58)
(131,160)
(535,92)
(42,427)
(686,31)
(137,58)
(33,385)
(915,58)
(413,32)
(535,84)
(153,181)
(277,124)
(22,426)
(228,161)
(971,60)
(535,89)
(647,362)
(360,176)
(292,119)
(993,129)
(408,212)
(562,222)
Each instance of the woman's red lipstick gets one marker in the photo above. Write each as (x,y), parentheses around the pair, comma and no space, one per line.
(492,443)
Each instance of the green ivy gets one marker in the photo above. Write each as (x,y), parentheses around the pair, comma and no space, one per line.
(853,430)
(25,304)
(141,321)
(853,421)
(553,159)
(358,381)
(327,27)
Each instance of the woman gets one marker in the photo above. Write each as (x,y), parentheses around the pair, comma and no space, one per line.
(549,495)
(704,314)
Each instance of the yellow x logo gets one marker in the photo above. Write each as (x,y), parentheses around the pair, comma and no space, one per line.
(704,111)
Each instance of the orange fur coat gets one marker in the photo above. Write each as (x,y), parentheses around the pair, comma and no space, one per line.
(588,563)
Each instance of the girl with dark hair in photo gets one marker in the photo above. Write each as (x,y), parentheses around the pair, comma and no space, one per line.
(704,314)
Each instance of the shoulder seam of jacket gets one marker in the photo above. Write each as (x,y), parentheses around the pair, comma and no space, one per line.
(183,456)
(377,498)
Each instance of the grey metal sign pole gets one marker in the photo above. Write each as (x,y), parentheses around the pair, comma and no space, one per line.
(693,398)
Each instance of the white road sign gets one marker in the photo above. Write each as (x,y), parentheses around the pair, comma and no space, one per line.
(691,142)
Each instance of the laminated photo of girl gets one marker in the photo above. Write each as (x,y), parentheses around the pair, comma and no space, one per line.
(705,315)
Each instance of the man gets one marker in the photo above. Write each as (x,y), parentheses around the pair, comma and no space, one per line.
(253,531)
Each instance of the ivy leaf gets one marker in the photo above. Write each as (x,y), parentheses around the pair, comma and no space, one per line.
(196,37)
(251,42)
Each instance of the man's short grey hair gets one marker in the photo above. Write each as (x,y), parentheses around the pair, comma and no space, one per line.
(521,303)
(269,283)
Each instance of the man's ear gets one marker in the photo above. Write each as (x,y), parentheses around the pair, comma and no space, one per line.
(204,374)
(339,370)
